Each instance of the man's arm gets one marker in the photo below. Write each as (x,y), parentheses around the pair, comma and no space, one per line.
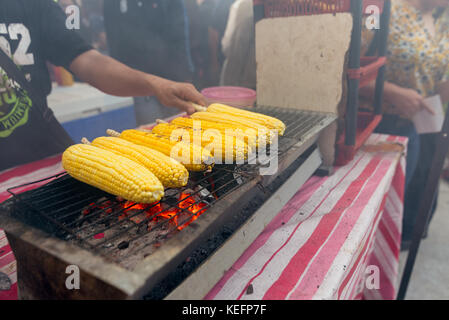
(406,101)
(115,78)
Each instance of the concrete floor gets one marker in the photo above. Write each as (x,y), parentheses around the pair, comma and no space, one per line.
(430,278)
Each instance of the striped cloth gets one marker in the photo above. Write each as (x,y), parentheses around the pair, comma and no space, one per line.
(11,178)
(335,236)
(317,247)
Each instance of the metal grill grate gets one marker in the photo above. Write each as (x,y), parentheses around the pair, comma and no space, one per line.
(74,211)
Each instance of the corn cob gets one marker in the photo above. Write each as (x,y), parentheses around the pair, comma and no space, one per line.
(228,148)
(236,121)
(249,135)
(112,173)
(193,157)
(267,121)
(170,172)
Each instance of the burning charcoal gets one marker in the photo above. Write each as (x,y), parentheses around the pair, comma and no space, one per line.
(123,245)
(68,237)
(143,228)
(5,282)
(171,201)
(205,194)
(250,289)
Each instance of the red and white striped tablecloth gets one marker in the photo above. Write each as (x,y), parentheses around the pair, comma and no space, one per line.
(317,247)
(334,236)
(10,178)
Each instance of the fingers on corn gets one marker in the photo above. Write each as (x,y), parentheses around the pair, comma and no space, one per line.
(192,156)
(267,121)
(170,172)
(112,173)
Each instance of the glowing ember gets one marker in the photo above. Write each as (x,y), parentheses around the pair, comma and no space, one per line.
(196,210)
(154,211)
(99,236)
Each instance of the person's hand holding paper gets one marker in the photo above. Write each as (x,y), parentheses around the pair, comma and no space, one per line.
(425,121)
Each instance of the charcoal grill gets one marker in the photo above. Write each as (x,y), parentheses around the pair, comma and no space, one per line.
(124,250)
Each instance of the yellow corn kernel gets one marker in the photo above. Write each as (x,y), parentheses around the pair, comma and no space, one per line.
(267,121)
(191,156)
(226,148)
(170,172)
(243,123)
(112,173)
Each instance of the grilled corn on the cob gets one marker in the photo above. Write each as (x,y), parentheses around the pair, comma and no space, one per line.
(222,147)
(112,173)
(193,157)
(267,121)
(236,121)
(170,172)
(249,136)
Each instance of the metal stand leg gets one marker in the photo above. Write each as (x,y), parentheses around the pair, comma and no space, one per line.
(426,205)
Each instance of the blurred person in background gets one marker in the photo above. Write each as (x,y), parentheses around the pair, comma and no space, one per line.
(418,65)
(92,11)
(199,13)
(33,33)
(217,27)
(239,48)
(151,36)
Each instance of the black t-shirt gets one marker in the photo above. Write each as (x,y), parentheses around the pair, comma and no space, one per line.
(32,33)
(151,36)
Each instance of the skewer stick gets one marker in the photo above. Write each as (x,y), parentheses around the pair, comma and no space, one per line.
(85,141)
(112,133)
(159,121)
(198,107)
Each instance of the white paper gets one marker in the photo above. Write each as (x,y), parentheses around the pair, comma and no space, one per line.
(425,122)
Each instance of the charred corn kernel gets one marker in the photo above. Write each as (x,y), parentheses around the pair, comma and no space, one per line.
(170,172)
(223,147)
(236,121)
(249,136)
(191,156)
(267,121)
(112,173)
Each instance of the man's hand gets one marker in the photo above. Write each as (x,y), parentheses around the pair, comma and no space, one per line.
(115,78)
(176,94)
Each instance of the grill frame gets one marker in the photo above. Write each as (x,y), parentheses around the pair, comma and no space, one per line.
(99,271)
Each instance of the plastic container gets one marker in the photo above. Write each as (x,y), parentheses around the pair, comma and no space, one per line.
(233,96)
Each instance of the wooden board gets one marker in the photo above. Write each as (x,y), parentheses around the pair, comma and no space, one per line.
(300,61)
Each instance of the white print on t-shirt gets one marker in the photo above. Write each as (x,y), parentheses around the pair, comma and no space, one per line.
(20,56)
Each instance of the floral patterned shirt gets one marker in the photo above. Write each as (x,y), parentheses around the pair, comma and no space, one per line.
(416,59)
